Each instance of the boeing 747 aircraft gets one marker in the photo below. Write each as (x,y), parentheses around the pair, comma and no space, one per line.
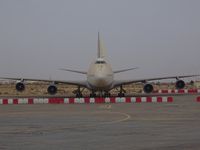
(100,77)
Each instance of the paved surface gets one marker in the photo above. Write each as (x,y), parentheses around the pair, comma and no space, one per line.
(143,126)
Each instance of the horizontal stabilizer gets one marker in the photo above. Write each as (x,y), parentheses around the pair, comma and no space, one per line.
(76,71)
(123,70)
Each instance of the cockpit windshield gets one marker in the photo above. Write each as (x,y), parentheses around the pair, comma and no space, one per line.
(100,62)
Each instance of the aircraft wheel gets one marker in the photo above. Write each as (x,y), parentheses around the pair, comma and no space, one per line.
(121,94)
(93,95)
(79,95)
(107,95)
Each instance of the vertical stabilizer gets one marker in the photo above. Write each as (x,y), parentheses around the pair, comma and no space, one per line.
(100,48)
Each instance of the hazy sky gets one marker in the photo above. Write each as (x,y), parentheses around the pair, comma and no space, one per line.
(161,37)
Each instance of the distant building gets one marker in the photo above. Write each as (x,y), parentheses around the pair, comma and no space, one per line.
(7,82)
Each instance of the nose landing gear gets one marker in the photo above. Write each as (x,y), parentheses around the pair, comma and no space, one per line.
(121,92)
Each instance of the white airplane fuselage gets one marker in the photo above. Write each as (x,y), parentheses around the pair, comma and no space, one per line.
(100,75)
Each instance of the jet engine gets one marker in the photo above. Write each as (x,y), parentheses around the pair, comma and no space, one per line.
(20,86)
(52,89)
(180,84)
(148,88)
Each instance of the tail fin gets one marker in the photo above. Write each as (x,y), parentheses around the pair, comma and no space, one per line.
(100,48)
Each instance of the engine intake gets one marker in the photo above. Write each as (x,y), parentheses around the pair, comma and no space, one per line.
(52,89)
(148,88)
(20,86)
(180,84)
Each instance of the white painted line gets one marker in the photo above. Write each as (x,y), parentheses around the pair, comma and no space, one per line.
(143,99)
(45,100)
(107,100)
(164,99)
(66,100)
(10,101)
(22,101)
(92,100)
(133,99)
(118,100)
(79,100)
(154,99)
(123,99)
(39,101)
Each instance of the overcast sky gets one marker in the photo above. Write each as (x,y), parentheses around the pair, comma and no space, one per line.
(161,37)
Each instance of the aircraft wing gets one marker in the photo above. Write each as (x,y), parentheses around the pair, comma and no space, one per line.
(124,82)
(75,71)
(78,83)
(123,70)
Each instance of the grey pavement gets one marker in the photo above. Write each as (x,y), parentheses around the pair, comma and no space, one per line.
(142,126)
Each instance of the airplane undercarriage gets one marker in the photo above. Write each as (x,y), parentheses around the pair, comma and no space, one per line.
(121,92)
(78,93)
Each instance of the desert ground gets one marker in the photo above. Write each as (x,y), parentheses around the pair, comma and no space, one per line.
(40,89)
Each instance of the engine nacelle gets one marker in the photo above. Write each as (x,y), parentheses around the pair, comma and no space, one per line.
(180,84)
(52,89)
(148,88)
(20,86)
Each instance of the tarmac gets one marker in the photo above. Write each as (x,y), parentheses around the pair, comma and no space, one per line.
(134,126)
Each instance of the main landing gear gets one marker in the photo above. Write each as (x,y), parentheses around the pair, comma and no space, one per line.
(107,94)
(100,94)
(93,94)
(78,92)
(121,92)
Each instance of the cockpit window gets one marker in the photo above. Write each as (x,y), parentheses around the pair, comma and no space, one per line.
(100,62)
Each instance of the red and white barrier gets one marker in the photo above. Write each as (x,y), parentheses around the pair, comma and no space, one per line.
(198,99)
(86,100)
(190,91)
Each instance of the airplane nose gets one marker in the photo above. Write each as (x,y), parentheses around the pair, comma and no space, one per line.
(100,79)
(100,76)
